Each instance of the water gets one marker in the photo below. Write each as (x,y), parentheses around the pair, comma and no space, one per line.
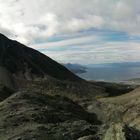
(112,72)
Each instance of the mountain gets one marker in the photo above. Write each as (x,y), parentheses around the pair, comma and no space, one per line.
(42,100)
(37,97)
(75,68)
(23,62)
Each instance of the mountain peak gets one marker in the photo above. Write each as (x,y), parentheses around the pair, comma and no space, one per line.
(2,36)
(4,41)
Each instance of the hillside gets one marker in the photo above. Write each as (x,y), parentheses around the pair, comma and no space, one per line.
(42,100)
(31,115)
(34,97)
(27,63)
(120,114)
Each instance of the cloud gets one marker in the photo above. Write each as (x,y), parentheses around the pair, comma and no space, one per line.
(123,11)
(30,20)
(68,42)
(64,29)
(105,53)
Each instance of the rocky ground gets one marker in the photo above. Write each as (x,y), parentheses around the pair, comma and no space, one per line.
(29,115)
(120,115)
(52,113)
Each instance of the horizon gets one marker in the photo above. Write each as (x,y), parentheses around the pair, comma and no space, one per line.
(83,32)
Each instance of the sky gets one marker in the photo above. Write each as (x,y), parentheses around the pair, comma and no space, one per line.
(75,31)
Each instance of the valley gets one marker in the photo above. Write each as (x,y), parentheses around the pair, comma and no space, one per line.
(42,100)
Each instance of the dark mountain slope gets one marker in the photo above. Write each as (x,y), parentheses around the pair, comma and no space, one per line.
(28,63)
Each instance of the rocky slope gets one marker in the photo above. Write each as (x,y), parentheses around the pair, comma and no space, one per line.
(120,115)
(31,115)
(40,109)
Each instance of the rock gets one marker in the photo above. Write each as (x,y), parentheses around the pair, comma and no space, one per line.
(91,137)
(131,133)
(115,132)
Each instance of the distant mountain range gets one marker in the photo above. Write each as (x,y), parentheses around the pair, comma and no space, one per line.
(75,68)
(119,64)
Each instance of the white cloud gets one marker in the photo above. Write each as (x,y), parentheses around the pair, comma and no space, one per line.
(68,42)
(105,53)
(31,20)
(40,19)
(85,23)
(123,11)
